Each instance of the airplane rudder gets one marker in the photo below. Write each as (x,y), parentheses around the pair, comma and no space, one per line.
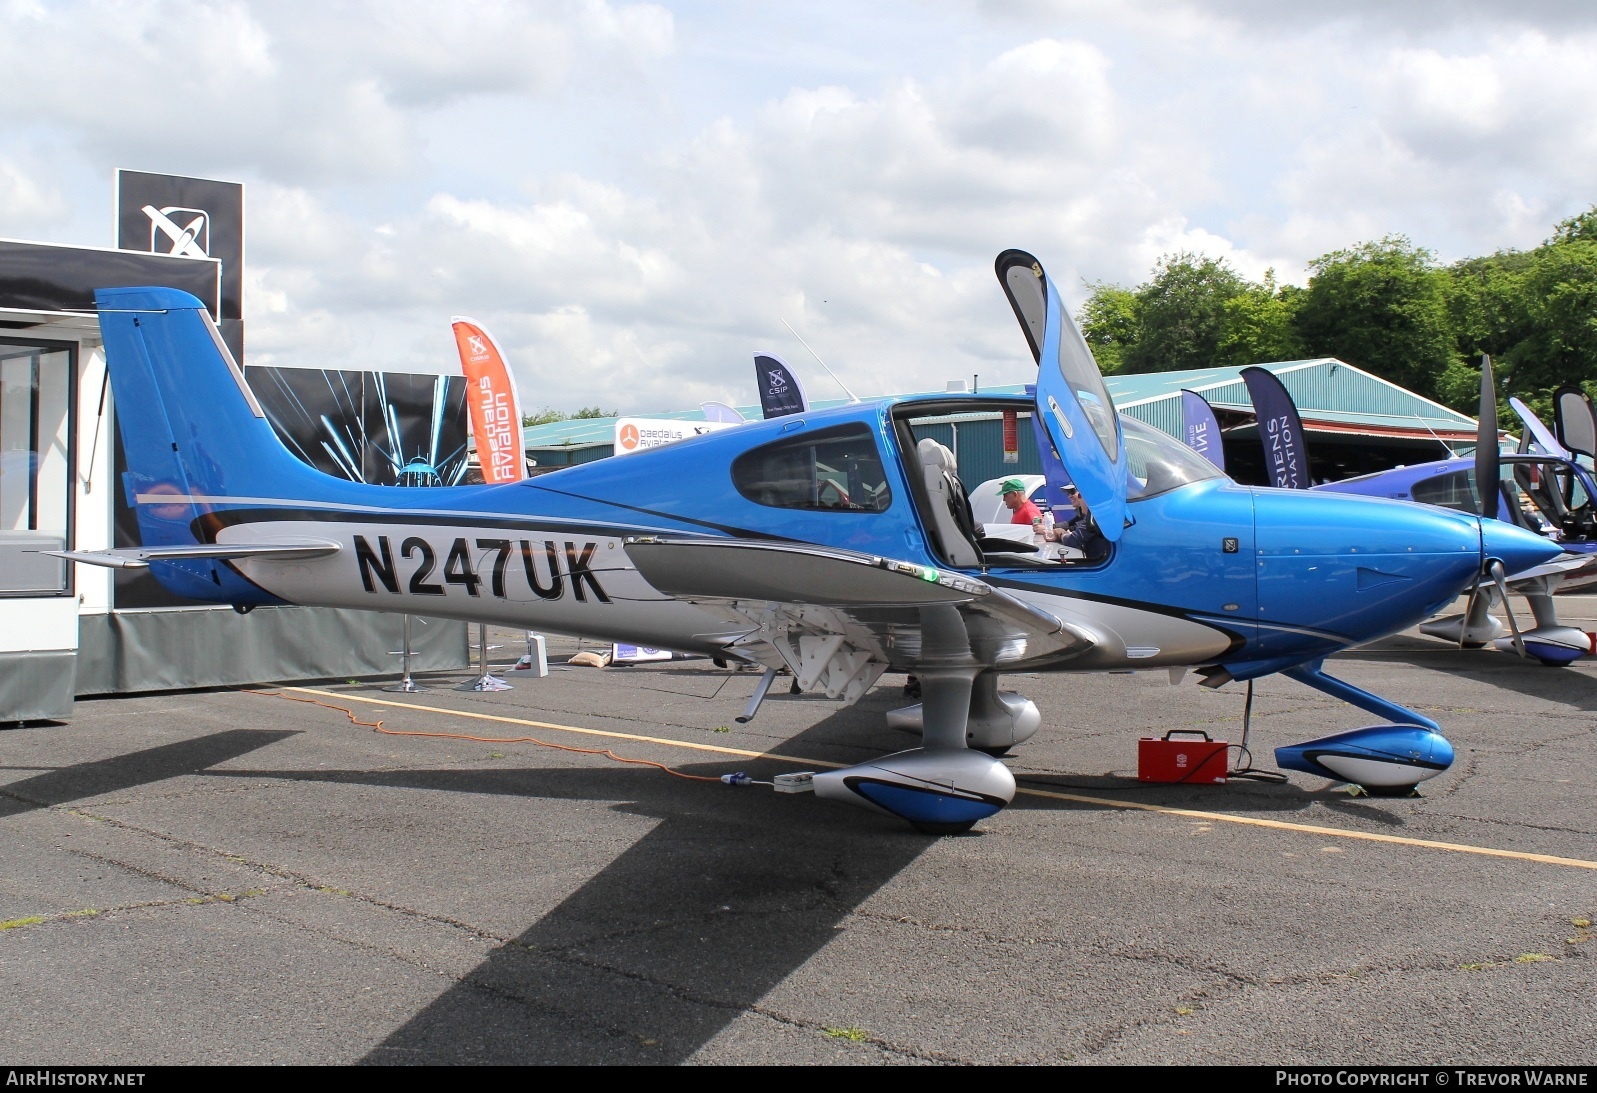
(178,388)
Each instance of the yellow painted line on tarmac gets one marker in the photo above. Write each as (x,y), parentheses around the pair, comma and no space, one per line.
(565,728)
(1313,829)
(1106,802)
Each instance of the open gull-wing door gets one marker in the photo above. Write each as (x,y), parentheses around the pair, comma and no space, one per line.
(1575,420)
(1537,436)
(1072,402)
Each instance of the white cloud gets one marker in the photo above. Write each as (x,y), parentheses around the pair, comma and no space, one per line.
(868,222)
(635,198)
(29,204)
(294,91)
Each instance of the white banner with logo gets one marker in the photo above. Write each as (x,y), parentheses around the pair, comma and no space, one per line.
(634,434)
(636,654)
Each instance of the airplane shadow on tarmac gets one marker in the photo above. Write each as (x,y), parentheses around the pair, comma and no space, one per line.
(1236,795)
(730,893)
(1493,667)
(123,772)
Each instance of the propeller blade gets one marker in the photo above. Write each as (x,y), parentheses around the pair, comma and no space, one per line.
(1486,458)
(1500,578)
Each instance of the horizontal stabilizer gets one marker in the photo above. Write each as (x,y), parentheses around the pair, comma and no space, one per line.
(139,557)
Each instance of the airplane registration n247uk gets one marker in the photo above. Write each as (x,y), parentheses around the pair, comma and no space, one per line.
(834,543)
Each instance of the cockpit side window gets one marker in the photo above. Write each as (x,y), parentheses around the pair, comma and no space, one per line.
(1455,490)
(830,470)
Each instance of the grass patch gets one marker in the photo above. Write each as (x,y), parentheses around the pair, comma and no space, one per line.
(851,1034)
(1533,958)
(18,923)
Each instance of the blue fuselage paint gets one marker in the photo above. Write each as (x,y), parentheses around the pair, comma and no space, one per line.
(1271,575)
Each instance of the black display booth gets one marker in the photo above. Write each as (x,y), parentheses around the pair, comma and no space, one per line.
(69,631)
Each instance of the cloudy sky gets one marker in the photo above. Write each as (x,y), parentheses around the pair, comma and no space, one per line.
(634,197)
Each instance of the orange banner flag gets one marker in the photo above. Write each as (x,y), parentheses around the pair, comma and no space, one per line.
(495,412)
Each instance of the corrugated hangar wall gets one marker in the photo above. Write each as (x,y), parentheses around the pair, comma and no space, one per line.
(978,447)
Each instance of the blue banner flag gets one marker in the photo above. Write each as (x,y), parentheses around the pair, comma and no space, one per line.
(1199,428)
(781,393)
(1286,455)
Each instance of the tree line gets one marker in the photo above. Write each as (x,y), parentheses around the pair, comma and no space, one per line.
(548,415)
(1385,306)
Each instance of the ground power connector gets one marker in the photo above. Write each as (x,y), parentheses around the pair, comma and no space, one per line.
(801,782)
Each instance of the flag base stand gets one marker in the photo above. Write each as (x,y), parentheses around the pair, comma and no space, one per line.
(406,685)
(486,680)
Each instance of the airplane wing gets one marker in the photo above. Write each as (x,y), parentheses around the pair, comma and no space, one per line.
(1563,564)
(139,557)
(839,619)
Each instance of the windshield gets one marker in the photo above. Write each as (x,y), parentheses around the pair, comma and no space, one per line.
(1086,383)
(1159,462)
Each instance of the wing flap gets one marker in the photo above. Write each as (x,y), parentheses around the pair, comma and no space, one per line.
(744,569)
(839,619)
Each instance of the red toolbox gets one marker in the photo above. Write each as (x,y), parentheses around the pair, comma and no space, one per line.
(1161,759)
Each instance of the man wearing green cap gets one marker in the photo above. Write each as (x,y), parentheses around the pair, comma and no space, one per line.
(1024,512)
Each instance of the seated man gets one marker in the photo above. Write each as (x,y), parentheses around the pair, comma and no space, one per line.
(1015,499)
(1081,531)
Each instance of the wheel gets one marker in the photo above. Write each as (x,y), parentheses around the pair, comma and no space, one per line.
(996,753)
(945,829)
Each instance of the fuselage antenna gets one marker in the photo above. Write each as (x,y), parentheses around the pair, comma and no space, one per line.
(852,397)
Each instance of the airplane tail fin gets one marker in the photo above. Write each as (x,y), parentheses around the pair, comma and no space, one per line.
(192,430)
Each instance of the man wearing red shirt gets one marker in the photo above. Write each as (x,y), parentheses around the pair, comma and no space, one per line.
(1014,491)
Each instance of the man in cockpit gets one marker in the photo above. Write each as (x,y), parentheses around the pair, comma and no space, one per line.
(1081,531)
(1016,501)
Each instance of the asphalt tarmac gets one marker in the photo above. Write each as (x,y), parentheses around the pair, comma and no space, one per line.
(227,877)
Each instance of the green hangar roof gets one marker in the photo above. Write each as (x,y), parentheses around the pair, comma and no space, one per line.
(1333,397)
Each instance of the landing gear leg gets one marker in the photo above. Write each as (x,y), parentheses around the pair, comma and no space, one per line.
(998,720)
(942,788)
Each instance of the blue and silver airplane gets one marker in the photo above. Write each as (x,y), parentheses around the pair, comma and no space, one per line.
(829,543)
(1542,487)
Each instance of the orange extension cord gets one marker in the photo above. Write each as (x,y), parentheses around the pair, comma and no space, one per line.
(377,726)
